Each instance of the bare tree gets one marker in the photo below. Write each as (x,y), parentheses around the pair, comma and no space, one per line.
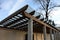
(47,6)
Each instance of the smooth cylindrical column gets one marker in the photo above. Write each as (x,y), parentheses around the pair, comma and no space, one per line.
(44,31)
(30,29)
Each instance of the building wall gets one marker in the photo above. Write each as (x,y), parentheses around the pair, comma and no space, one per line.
(40,36)
(19,35)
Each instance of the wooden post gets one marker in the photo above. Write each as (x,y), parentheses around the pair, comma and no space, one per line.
(59,36)
(54,35)
(51,34)
(30,29)
(44,31)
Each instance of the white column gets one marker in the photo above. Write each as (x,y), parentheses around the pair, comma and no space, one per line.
(30,29)
(44,31)
(50,34)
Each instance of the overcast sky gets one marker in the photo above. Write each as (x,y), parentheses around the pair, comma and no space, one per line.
(7,7)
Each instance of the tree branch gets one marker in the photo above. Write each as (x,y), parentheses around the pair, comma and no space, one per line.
(54,6)
(41,4)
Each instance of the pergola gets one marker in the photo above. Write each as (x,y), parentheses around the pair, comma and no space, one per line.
(22,20)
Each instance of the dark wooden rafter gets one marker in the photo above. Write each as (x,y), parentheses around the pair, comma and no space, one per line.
(20,23)
(25,23)
(21,27)
(32,13)
(25,26)
(14,21)
(38,16)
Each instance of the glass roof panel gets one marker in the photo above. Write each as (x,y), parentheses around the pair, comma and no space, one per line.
(29,9)
(19,15)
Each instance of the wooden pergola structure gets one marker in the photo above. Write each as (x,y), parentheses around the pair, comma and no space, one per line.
(21,20)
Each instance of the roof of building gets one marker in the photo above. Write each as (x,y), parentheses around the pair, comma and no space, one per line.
(19,20)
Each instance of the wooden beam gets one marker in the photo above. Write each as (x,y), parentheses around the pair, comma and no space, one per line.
(37,20)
